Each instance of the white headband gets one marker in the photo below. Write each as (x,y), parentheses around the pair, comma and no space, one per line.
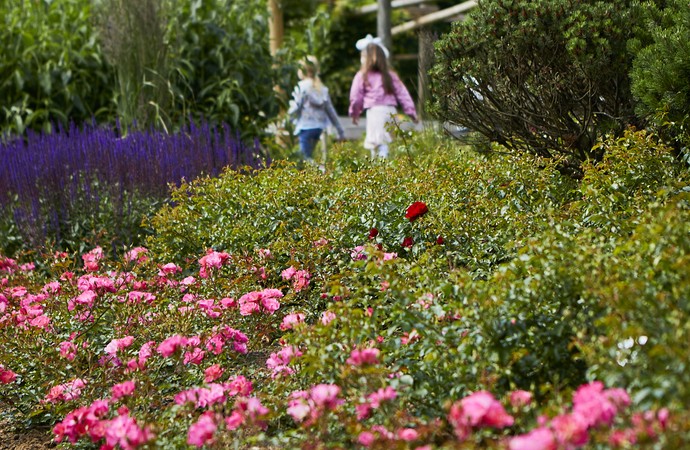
(362,43)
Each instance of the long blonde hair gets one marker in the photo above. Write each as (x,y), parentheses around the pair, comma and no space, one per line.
(309,68)
(375,61)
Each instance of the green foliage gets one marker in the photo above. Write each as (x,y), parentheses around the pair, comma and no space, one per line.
(221,68)
(661,70)
(636,169)
(546,77)
(539,283)
(133,36)
(51,68)
(154,63)
(479,210)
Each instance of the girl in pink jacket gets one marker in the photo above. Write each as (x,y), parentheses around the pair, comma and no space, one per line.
(378,90)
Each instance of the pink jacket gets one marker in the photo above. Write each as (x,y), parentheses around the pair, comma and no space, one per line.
(364,96)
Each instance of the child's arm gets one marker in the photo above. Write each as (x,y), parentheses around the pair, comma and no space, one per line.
(333,117)
(295,108)
(404,98)
(356,97)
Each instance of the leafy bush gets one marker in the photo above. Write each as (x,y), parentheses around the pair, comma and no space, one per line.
(661,69)
(479,210)
(636,169)
(223,69)
(546,77)
(350,338)
(80,187)
(51,68)
(57,68)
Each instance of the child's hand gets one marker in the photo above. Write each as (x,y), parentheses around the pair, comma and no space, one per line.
(355,120)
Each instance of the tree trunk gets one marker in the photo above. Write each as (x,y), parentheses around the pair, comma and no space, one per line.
(383,24)
(275,25)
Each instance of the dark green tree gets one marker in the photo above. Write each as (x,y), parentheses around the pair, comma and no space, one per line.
(546,77)
(661,71)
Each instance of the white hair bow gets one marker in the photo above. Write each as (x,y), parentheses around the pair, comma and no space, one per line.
(369,39)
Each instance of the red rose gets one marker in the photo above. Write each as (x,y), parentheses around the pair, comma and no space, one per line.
(440,240)
(373,233)
(415,210)
(407,242)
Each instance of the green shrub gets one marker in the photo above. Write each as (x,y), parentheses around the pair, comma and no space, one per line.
(522,292)
(51,67)
(661,70)
(546,77)
(645,286)
(635,171)
(479,208)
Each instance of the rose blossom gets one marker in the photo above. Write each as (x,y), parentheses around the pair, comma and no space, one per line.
(416,210)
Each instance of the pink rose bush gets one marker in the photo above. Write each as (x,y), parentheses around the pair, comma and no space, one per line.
(171,356)
(265,301)
(307,407)
(477,410)
(300,278)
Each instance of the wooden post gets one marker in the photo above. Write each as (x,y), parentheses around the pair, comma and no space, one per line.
(275,41)
(383,24)
(424,61)
(275,25)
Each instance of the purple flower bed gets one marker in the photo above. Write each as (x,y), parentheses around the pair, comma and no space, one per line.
(45,177)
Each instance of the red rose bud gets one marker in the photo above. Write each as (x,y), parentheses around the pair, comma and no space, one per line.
(440,240)
(415,210)
(373,233)
(407,242)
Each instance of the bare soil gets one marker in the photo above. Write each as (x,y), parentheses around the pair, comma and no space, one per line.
(12,438)
(25,440)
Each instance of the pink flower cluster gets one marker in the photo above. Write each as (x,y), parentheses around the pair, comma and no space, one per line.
(92,258)
(83,421)
(279,362)
(139,363)
(65,392)
(300,278)
(212,260)
(246,411)
(116,345)
(137,255)
(381,433)
(358,253)
(374,400)
(120,432)
(308,406)
(124,389)
(327,317)
(215,393)
(291,320)
(29,313)
(593,406)
(194,354)
(8,265)
(364,357)
(479,409)
(6,375)
(265,301)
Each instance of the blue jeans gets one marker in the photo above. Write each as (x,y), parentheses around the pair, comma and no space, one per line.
(308,140)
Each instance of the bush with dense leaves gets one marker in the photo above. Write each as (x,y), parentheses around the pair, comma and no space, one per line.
(661,70)
(51,66)
(487,328)
(546,77)
(210,60)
